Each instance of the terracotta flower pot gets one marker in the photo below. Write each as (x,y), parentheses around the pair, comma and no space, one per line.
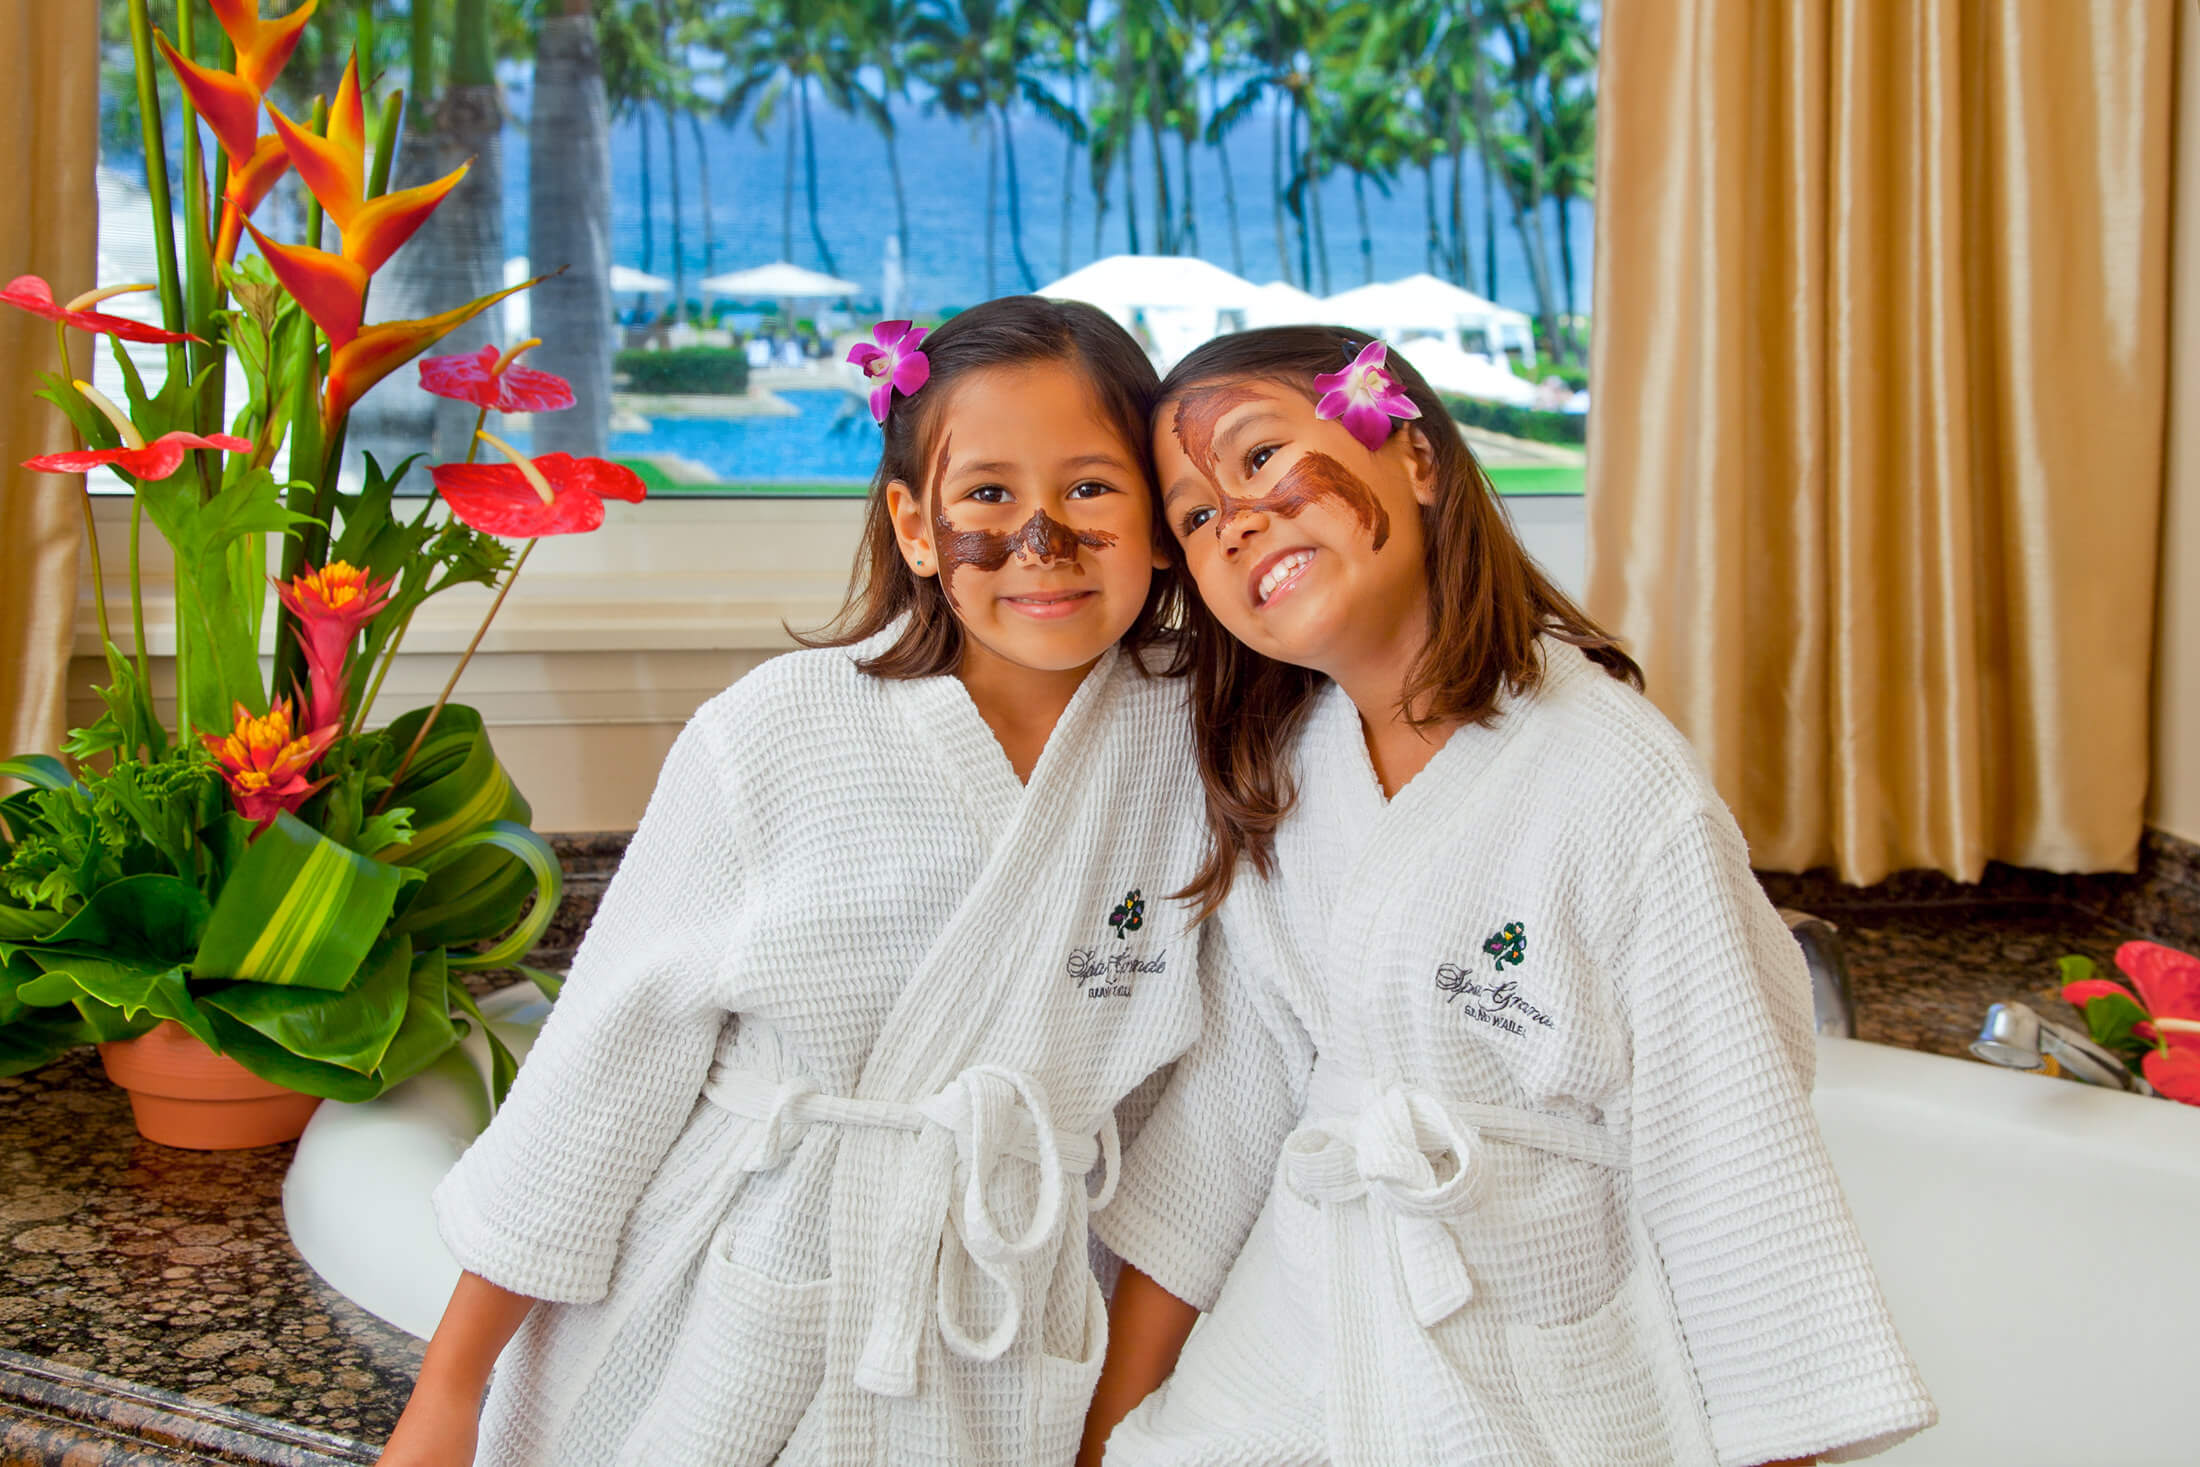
(183,1094)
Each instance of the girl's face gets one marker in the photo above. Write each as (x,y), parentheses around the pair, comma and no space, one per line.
(1035,515)
(1305,545)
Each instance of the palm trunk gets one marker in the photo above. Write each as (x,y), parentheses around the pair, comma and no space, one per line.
(1489,225)
(1275,166)
(649,219)
(679,254)
(1563,196)
(992,169)
(1367,236)
(893,171)
(1314,203)
(1428,196)
(569,224)
(1229,185)
(1125,94)
(702,179)
(1164,225)
(1015,203)
(1130,184)
(1189,235)
(1069,176)
(786,194)
(1458,256)
(809,162)
(1300,164)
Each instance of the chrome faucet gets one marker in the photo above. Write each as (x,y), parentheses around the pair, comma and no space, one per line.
(2017,1038)
(1833,1006)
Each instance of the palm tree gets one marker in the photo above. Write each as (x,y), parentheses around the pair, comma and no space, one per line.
(1069,28)
(1570,133)
(569,224)
(775,51)
(882,34)
(1215,27)
(977,56)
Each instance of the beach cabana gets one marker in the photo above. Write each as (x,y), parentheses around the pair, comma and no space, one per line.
(1421,306)
(1281,303)
(1449,368)
(1171,303)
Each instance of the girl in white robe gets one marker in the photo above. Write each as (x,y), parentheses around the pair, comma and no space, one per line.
(1517,1141)
(800,1165)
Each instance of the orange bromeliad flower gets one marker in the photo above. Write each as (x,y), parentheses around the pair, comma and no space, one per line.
(265,764)
(331,605)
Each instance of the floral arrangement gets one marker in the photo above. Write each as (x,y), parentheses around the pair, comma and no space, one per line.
(294,888)
(2156,1031)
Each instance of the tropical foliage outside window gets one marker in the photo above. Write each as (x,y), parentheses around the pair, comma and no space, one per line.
(930,154)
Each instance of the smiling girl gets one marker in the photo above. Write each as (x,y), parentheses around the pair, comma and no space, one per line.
(797,1170)
(1535,1050)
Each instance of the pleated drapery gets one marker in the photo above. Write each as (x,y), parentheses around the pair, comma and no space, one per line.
(49,137)
(1880,364)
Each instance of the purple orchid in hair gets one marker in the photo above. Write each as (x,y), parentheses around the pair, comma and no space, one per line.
(1364,397)
(893,365)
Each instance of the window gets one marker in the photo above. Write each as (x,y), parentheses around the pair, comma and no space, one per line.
(782,175)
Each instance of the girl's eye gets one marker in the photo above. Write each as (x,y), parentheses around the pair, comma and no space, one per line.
(1198,516)
(988,494)
(1090,489)
(1258,458)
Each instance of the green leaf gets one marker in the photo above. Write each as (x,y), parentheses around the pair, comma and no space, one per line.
(551,984)
(26,924)
(30,1036)
(298,909)
(352,1029)
(2110,1017)
(270,1061)
(455,787)
(90,423)
(137,987)
(428,1030)
(158,918)
(503,1069)
(425,1035)
(549,882)
(2076,968)
(39,771)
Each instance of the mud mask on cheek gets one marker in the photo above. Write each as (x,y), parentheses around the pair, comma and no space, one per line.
(1041,538)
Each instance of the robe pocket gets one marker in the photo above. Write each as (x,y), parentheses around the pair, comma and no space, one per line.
(1591,1386)
(749,1361)
(1064,1386)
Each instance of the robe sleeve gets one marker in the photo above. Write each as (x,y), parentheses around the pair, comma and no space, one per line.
(1199,1172)
(1791,1345)
(538,1203)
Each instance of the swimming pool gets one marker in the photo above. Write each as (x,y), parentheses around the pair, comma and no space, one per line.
(830,438)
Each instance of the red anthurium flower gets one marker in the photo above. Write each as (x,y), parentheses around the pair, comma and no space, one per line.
(30,293)
(331,605)
(334,169)
(495,381)
(556,494)
(264,763)
(263,46)
(137,458)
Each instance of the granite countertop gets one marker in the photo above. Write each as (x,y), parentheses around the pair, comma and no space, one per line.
(152,1309)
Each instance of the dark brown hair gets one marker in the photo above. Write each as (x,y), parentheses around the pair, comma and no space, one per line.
(1488,603)
(1014,330)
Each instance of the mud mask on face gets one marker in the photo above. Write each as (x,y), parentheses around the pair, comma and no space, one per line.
(1315,477)
(1041,538)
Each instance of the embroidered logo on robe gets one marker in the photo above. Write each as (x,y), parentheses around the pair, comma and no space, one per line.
(1129,914)
(1509,944)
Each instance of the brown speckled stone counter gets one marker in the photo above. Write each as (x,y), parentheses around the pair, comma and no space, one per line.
(153,1311)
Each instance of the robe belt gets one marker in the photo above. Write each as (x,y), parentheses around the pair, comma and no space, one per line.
(1385,1153)
(984,1115)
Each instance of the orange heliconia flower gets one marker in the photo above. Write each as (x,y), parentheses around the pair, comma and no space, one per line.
(230,102)
(265,763)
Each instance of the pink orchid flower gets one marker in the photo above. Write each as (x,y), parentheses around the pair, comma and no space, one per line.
(554,494)
(1364,397)
(893,364)
(493,380)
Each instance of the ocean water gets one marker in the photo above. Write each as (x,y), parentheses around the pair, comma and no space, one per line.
(944,173)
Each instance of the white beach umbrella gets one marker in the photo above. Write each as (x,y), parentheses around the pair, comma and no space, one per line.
(1398,310)
(780,281)
(1121,284)
(626,280)
(1281,303)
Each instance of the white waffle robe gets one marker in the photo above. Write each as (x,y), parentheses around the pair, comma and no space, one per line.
(804,1153)
(1552,1193)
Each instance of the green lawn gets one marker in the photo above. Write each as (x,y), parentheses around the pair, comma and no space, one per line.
(1525,482)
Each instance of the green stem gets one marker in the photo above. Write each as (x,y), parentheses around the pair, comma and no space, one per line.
(156,179)
(463,658)
(137,600)
(389,660)
(91,531)
(305,445)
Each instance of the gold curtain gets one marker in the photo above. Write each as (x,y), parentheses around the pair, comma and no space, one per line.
(49,135)
(1880,371)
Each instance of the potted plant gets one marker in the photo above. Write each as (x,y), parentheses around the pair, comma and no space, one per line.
(267,902)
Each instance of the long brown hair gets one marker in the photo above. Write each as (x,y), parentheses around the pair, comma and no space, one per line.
(1014,330)
(1488,603)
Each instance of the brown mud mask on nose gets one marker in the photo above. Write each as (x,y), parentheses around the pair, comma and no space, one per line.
(1316,476)
(1041,538)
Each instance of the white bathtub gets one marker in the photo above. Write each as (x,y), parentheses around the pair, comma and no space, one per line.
(2039,1241)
